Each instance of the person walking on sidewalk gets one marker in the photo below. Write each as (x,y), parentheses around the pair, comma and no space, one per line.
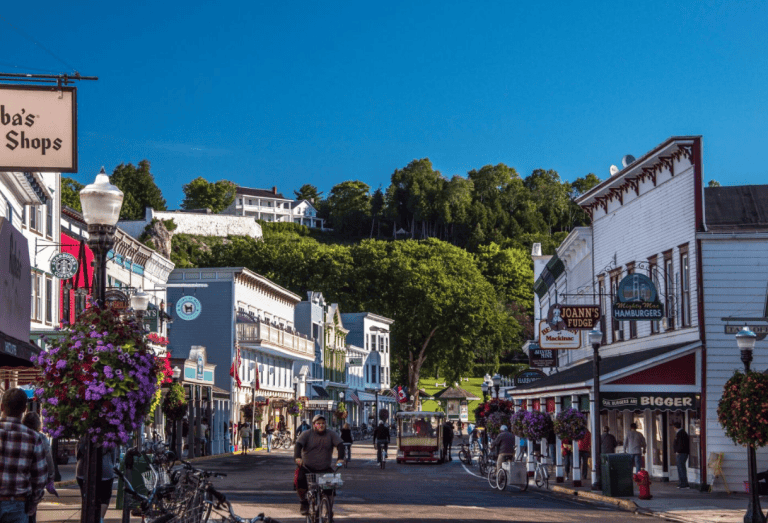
(32,421)
(23,468)
(245,437)
(607,441)
(270,431)
(585,451)
(635,444)
(566,448)
(682,448)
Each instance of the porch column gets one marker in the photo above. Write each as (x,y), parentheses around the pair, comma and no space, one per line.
(518,407)
(575,465)
(543,442)
(531,467)
(558,452)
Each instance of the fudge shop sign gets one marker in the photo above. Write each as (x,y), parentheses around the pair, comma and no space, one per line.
(38,128)
(554,332)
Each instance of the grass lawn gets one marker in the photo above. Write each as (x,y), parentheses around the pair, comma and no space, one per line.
(472,386)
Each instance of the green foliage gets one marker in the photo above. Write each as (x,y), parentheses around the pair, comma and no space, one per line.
(201,194)
(310,193)
(139,189)
(170,225)
(175,404)
(713,183)
(349,207)
(743,409)
(70,193)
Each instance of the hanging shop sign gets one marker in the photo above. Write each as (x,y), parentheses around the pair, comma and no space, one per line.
(760,330)
(64,266)
(650,400)
(540,358)
(15,282)
(551,338)
(38,128)
(117,300)
(188,308)
(528,376)
(569,317)
(637,299)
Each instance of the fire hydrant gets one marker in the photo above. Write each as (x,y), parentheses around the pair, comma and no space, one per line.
(643,481)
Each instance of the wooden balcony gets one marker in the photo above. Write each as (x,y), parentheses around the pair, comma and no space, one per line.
(260,333)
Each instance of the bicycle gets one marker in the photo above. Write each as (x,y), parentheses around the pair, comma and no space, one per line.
(381,453)
(464,454)
(282,439)
(155,509)
(512,474)
(540,474)
(320,495)
(224,513)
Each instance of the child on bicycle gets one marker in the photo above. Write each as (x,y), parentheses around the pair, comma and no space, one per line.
(381,437)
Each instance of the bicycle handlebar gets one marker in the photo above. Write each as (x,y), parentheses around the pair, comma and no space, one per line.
(205,473)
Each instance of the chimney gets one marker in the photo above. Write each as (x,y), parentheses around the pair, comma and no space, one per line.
(274,190)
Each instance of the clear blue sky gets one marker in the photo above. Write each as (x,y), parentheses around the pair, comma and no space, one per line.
(270,94)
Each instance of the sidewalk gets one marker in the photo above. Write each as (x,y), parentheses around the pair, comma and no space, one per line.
(669,502)
(67,506)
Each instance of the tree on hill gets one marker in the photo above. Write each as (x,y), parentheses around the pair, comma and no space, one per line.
(139,189)
(310,193)
(201,194)
(70,193)
(444,310)
(349,205)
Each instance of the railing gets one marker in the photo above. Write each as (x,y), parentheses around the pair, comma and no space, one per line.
(265,333)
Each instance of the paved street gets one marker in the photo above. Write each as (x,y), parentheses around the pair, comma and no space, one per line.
(262,482)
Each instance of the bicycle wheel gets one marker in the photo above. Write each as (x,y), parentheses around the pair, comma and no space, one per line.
(287,443)
(538,477)
(324,514)
(492,477)
(463,457)
(501,479)
(523,486)
(483,465)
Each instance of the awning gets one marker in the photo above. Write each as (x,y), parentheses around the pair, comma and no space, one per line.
(320,392)
(366,396)
(16,353)
(581,376)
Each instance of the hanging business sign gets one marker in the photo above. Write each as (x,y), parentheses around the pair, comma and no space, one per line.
(188,308)
(569,317)
(552,338)
(355,362)
(637,299)
(64,266)
(528,376)
(539,358)
(650,400)
(38,128)
(117,300)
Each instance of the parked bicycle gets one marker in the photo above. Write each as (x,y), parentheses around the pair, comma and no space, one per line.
(464,454)
(321,494)
(541,473)
(282,439)
(222,511)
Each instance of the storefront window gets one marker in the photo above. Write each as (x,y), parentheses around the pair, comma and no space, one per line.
(694,432)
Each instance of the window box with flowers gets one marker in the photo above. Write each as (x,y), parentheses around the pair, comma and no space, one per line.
(155,338)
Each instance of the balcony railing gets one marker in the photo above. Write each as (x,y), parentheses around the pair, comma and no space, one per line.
(264,333)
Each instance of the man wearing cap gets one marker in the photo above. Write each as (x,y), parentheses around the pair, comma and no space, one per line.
(313,453)
(505,443)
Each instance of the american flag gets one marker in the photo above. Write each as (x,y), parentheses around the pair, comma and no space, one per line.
(354,398)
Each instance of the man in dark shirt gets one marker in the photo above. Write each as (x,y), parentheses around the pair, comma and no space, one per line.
(23,468)
(682,448)
(313,452)
(381,437)
(607,441)
(447,440)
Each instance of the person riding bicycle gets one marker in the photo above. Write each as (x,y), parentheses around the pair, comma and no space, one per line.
(313,453)
(505,445)
(346,437)
(381,437)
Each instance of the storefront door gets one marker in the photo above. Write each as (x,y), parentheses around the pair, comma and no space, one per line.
(658,454)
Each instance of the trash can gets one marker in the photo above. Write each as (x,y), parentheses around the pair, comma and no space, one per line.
(617,475)
(257,438)
(140,466)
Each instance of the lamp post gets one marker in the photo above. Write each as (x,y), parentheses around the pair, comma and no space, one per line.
(101,202)
(496,383)
(595,338)
(139,304)
(746,341)
(341,400)
(484,388)
(174,445)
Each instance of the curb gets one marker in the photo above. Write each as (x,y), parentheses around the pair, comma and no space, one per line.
(624,504)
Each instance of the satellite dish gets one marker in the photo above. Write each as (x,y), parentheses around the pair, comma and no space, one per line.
(614,170)
(628,159)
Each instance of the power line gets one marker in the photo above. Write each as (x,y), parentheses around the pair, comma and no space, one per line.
(41,46)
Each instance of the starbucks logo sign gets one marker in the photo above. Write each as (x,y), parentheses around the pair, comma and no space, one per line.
(64,265)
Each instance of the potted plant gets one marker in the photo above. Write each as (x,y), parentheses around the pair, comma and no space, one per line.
(570,424)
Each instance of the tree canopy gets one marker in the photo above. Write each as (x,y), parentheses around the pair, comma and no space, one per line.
(70,193)
(139,189)
(201,194)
